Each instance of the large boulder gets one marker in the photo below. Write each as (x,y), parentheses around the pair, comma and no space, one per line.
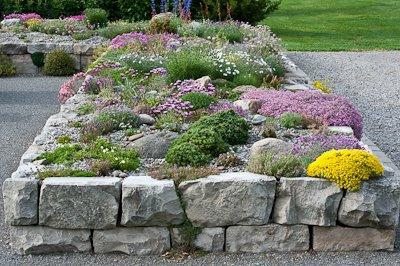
(269,145)
(267,238)
(132,241)
(154,145)
(20,197)
(209,239)
(44,240)
(306,200)
(79,203)
(376,204)
(150,202)
(229,199)
(352,239)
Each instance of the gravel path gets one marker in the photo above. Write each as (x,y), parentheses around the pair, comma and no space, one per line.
(370,80)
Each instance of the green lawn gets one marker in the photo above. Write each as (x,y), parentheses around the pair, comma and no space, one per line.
(337,25)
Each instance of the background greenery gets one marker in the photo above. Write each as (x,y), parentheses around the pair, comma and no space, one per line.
(336,25)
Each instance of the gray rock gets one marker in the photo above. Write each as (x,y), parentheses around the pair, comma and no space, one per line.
(146,119)
(204,81)
(254,106)
(135,137)
(14,48)
(306,200)
(23,64)
(154,145)
(44,240)
(244,88)
(84,48)
(376,204)
(132,241)
(27,170)
(341,130)
(244,104)
(40,47)
(297,87)
(269,145)
(31,154)
(10,22)
(79,203)
(218,200)
(209,239)
(20,197)
(267,238)
(352,239)
(150,202)
(258,119)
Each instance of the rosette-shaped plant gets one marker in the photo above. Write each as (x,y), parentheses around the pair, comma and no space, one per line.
(347,168)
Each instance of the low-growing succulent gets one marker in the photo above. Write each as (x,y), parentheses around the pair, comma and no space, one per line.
(291,120)
(282,165)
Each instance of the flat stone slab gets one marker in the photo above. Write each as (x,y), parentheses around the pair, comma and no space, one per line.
(229,199)
(132,241)
(20,197)
(376,204)
(209,239)
(352,239)
(306,200)
(267,238)
(79,203)
(44,240)
(150,202)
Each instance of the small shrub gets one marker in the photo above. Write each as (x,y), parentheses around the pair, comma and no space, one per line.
(198,100)
(185,154)
(165,23)
(228,159)
(283,165)
(291,120)
(66,172)
(38,59)
(96,17)
(180,174)
(64,139)
(347,168)
(58,63)
(86,108)
(7,68)
(231,127)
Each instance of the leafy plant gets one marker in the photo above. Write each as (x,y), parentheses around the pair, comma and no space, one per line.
(59,63)
(198,100)
(170,121)
(282,165)
(6,66)
(65,139)
(86,108)
(96,17)
(184,154)
(116,28)
(291,120)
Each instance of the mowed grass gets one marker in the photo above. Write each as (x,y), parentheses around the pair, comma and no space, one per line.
(337,25)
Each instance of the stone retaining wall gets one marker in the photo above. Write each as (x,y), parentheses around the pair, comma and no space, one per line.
(237,212)
(20,54)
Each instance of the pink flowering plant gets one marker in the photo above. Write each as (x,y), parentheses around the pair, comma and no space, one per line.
(23,16)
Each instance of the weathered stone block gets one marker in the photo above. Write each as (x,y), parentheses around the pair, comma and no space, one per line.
(209,239)
(306,200)
(84,48)
(21,201)
(79,203)
(266,238)
(154,145)
(229,199)
(23,64)
(85,61)
(352,239)
(376,204)
(150,202)
(135,240)
(45,240)
(26,170)
(40,47)
(13,48)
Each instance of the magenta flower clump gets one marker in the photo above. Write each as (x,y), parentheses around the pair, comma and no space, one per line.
(127,39)
(190,85)
(70,87)
(331,110)
(224,106)
(23,16)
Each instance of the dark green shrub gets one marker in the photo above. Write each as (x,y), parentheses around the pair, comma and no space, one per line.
(38,59)
(6,66)
(283,165)
(243,10)
(190,64)
(96,17)
(184,154)
(291,120)
(58,63)
(198,100)
(231,127)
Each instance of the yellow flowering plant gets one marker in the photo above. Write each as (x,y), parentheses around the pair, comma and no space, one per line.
(347,168)
(33,23)
(319,85)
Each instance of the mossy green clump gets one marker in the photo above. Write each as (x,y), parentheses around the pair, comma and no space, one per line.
(66,172)
(198,100)
(291,120)
(64,139)
(7,68)
(59,63)
(86,108)
(283,165)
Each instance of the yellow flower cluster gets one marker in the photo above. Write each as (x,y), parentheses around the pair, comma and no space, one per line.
(347,168)
(32,23)
(321,86)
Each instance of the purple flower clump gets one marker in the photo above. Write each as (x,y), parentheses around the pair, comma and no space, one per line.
(320,143)
(128,38)
(176,105)
(75,18)
(331,110)
(224,106)
(23,16)
(190,85)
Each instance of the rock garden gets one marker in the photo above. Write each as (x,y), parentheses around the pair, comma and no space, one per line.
(190,135)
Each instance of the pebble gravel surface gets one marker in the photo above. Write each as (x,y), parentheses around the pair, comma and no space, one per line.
(370,80)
